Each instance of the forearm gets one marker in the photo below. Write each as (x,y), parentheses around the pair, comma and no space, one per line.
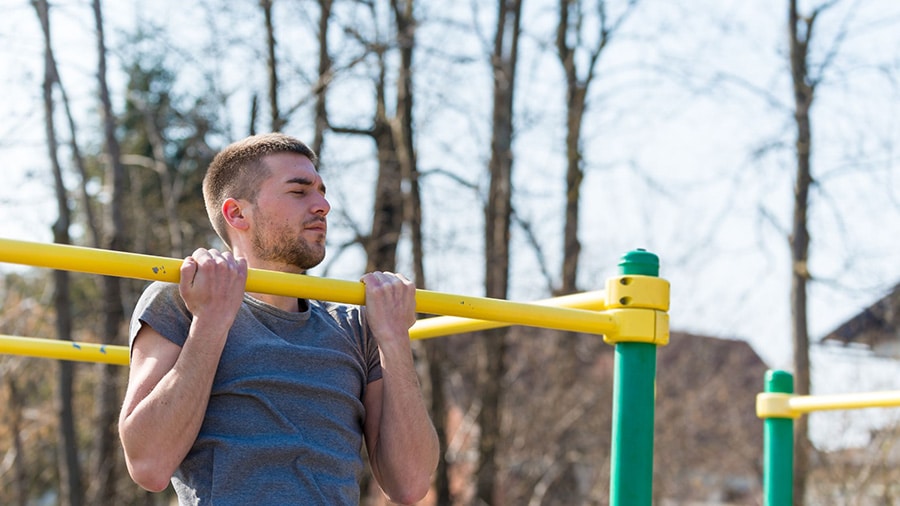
(407,451)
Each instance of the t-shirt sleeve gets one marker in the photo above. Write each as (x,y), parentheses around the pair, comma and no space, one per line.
(162,308)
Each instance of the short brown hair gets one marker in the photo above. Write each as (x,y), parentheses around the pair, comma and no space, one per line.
(238,171)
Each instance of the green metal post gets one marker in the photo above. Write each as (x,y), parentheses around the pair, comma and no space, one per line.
(634,392)
(778,446)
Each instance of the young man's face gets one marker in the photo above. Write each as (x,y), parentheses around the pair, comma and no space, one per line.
(289,225)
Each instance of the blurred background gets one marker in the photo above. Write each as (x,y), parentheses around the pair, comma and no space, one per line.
(505,148)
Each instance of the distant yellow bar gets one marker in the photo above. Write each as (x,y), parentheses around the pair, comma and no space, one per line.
(808,403)
(63,350)
(154,268)
(440,326)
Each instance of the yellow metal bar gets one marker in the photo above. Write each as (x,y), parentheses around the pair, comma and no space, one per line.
(119,355)
(63,350)
(439,326)
(154,268)
(808,403)
(773,405)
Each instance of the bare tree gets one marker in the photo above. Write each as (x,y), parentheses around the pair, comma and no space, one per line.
(68,462)
(277,122)
(388,210)
(800,29)
(105,469)
(498,217)
(324,77)
(15,407)
(572,40)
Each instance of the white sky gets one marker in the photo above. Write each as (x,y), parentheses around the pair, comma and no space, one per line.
(680,160)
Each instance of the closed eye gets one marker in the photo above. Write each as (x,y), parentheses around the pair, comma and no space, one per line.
(305,185)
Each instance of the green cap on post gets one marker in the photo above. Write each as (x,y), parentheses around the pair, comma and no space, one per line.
(780,382)
(639,262)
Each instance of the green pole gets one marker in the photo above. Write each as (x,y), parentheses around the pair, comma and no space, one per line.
(634,392)
(778,446)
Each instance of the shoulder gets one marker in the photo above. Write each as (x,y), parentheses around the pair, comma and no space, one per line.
(161,307)
(159,292)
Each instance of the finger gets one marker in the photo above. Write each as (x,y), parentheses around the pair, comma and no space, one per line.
(189,269)
(371,278)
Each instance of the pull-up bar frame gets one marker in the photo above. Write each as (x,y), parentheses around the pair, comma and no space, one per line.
(778,406)
(633,316)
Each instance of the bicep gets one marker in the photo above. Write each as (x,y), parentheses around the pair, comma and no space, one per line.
(152,356)
(372,423)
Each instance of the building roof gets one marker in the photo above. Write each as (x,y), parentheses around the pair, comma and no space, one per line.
(875,325)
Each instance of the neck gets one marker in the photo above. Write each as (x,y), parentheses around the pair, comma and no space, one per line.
(284,303)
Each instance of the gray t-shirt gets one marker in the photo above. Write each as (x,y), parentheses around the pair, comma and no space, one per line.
(285,416)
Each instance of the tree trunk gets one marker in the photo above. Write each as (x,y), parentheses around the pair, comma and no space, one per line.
(435,352)
(20,469)
(321,109)
(575,96)
(277,122)
(387,215)
(105,468)
(68,463)
(799,240)
(498,215)
(569,41)
(169,187)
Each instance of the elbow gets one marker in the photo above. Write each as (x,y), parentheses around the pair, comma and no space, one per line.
(412,489)
(148,475)
(147,469)
(147,465)
(410,495)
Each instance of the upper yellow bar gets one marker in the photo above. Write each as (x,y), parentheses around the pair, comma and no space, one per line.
(155,268)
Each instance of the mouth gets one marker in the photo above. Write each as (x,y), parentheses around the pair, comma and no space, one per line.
(317,226)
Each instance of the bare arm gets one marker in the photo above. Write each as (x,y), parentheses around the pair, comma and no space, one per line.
(402,444)
(169,386)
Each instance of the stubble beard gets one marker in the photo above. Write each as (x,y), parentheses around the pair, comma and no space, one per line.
(282,245)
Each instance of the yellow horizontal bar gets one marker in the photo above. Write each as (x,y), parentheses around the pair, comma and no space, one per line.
(63,350)
(808,403)
(154,268)
(119,355)
(427,328)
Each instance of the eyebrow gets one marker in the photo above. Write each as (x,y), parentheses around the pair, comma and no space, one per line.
(303,181)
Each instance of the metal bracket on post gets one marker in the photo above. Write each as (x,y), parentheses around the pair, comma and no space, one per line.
(639,305)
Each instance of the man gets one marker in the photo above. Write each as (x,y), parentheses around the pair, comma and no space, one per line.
(262,399)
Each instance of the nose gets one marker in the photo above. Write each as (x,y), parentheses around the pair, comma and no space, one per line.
(321,205)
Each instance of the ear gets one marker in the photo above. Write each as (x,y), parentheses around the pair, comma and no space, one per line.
(234,211)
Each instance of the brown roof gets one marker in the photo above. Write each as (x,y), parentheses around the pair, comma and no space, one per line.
(706,424)
(877,323)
